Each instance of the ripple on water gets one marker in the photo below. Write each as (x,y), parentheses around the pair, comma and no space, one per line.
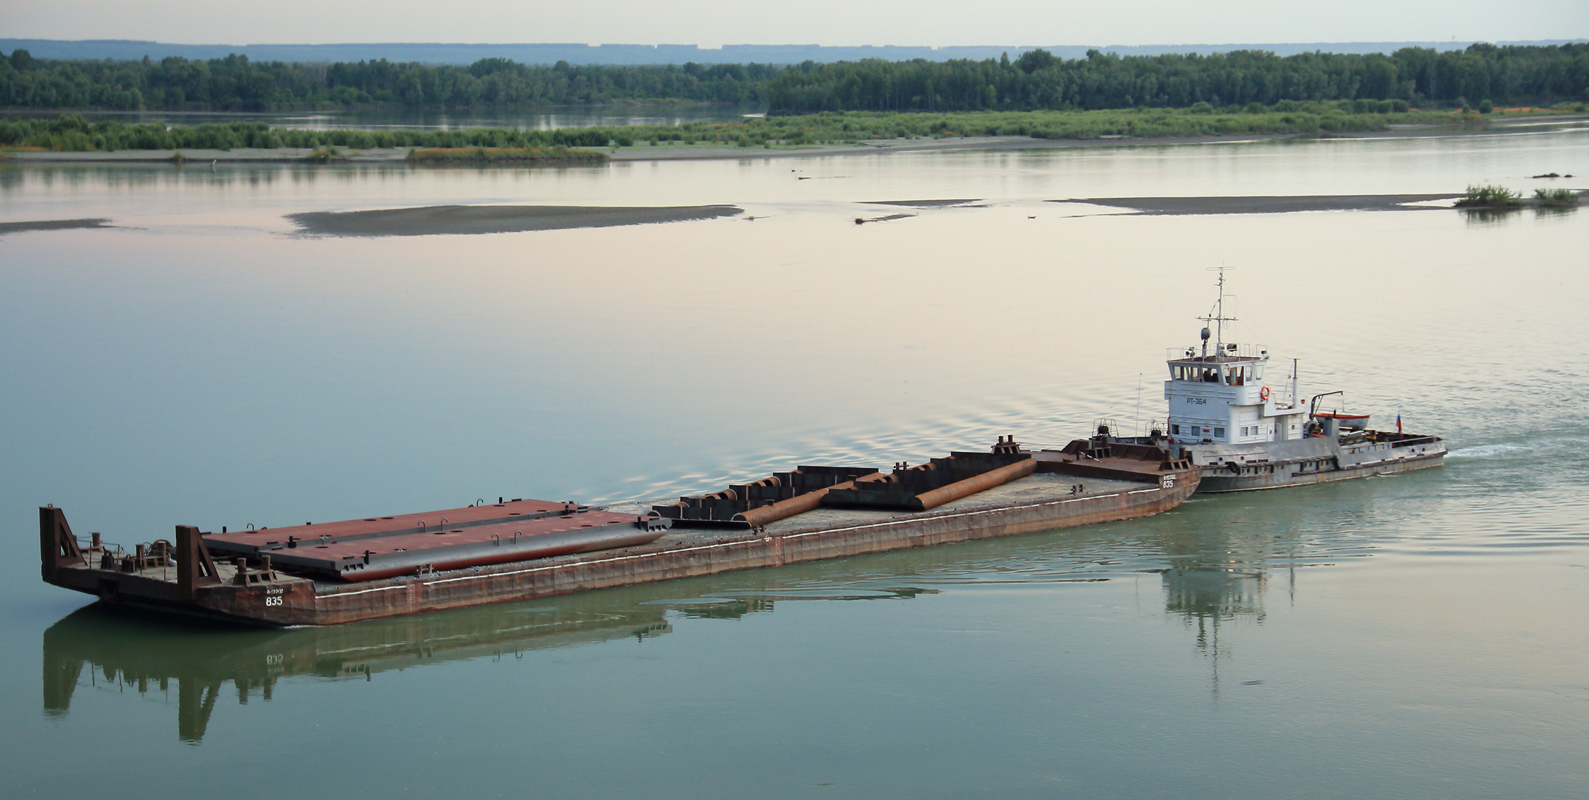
(1540,445)
(1485,451)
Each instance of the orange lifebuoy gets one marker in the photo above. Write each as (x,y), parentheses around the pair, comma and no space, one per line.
(1264,394)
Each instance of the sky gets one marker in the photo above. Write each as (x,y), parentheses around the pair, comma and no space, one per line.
(712,23)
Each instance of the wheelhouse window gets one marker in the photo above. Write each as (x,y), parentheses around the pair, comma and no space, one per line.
(1244,374)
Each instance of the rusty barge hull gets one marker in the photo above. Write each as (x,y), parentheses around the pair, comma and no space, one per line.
(286,600)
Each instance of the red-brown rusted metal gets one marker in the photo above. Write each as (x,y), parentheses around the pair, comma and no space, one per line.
(369,558)
(980,483)
(784,509)
(941,480)
(733,506)
(195,567)
(57,546)
(348,530)
(247,588)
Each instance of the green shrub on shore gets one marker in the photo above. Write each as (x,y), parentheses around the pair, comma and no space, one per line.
(1489,196)
(73,133)
(1556,198)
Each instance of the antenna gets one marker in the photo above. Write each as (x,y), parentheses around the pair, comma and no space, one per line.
(1136,424)
(1296,387)
(1217,315)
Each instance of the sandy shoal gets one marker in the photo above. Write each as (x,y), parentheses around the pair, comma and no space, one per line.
(52,225)
(428,220)
(1266,205)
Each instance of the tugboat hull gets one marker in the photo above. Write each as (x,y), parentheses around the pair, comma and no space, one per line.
(1309,461)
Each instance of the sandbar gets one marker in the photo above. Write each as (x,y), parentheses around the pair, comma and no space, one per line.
(1178,206)
(922,203)
(52,225)
(431,220)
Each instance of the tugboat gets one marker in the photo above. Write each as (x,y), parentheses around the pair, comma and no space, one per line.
(1246,435)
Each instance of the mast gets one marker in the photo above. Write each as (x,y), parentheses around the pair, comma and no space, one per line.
(1217,316)
(1295,387)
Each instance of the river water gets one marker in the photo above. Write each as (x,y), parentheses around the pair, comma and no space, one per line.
(202,362)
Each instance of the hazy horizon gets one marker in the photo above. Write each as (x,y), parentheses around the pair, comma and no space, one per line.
(732,45)
(638,54)
(829,23)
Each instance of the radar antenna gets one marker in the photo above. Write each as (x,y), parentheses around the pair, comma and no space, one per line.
(1217,315)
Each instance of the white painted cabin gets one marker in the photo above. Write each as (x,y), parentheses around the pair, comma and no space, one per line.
(1218,394)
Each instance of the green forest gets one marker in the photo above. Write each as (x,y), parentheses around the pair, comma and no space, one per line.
(236,84)
(1037,80)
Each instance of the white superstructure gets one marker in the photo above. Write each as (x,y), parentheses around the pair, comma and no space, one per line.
(1218,393)
(1247,431)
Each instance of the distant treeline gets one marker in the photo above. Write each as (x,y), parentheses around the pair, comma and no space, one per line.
(1482,72)
(1511,75)
(236,84)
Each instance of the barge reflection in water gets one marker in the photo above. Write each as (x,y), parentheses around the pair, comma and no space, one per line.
(190,662)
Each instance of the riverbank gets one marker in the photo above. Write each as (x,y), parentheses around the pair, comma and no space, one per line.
(642,152)
(664,150)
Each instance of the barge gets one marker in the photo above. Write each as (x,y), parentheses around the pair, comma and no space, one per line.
(387,566)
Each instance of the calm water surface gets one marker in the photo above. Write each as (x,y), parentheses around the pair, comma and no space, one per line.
(203,363)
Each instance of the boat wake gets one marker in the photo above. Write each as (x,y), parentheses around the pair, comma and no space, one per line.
(1508,448)
(1485,451)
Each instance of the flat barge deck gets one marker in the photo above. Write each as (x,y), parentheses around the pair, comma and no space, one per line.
(377,567)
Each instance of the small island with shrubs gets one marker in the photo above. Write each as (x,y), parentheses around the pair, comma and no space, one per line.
(1556,198)
(1499,198)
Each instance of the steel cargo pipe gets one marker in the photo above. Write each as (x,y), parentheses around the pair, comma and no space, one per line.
(784,509)
(980,483)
